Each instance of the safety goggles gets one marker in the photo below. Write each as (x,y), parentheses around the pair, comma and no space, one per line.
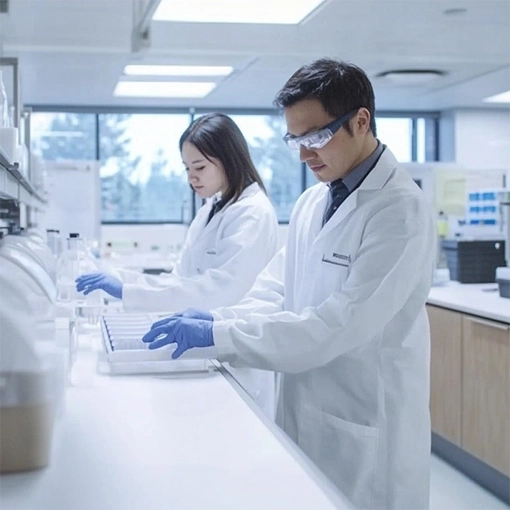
(318,139)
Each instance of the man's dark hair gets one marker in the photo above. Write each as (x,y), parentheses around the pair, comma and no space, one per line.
(216,135)
(339,86)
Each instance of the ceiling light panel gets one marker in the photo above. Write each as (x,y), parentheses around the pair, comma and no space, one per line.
(163,70)
(411,77)
(236,11)
(504,97)
(163,89)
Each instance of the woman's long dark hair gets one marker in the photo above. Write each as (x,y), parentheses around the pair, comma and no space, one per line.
(217,136)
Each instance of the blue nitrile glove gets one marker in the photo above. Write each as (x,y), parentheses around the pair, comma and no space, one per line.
(94,281)
(189,313)
(186,333)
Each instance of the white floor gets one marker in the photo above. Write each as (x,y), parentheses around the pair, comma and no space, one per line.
(451,490)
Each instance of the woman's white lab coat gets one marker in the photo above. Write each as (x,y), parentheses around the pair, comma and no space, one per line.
(341,312)
(219,264)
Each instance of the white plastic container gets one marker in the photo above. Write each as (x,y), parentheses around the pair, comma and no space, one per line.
(37,249)
(38,242)
(441,277)
(27,410)
(9,143)
(40,287)
(32,367)
(28,289)
(503,280)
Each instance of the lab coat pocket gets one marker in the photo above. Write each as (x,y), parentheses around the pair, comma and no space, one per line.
(208,260)
(348,458)
(333,273)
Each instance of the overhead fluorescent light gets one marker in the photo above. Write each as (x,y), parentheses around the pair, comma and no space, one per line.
(504,97)
(163,89)
(162,70)
(236,11)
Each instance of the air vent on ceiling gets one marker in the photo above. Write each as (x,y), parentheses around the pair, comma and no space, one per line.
(411,77)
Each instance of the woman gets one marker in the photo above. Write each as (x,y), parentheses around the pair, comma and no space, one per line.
(232,238)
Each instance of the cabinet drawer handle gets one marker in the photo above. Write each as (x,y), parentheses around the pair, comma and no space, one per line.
(491,324)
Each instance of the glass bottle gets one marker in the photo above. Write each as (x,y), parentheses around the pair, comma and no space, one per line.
(73,262)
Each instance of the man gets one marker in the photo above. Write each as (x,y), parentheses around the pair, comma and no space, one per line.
(340,312)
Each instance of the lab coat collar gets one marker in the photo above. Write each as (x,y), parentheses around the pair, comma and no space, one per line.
(380,175)
(376,179)
(341,213)
(250,190)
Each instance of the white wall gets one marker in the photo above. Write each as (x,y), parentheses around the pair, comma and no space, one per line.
(148,237)
(154,237)
(476,138)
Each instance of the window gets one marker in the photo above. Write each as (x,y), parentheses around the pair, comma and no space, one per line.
(410,138)
(397,134)
(279,167)
(64,135)
(142,176)
(426,139)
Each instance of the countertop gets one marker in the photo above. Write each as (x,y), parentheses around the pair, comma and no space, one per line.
(193,442)
(482,300)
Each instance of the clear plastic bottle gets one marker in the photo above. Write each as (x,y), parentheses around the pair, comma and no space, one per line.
(4,105)
(442,234)
(54,241)
(73,262)
(69,264)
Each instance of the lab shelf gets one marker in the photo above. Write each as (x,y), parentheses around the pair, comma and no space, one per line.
(14,185)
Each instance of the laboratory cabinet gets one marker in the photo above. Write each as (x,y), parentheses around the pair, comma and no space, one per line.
(470,384)
(445,372)
(486,391)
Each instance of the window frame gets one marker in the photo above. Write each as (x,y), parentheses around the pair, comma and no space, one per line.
(431,149)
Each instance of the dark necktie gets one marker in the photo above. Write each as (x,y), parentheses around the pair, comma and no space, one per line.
(338,193)
(214,209)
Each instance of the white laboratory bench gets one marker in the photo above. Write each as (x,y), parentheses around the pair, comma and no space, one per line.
(178,442)
(482,300)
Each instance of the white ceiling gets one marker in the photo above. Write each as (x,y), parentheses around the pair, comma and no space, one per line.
(72,52)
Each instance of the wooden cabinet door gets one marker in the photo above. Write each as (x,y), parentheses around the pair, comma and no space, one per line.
(486,391)
(445,372)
